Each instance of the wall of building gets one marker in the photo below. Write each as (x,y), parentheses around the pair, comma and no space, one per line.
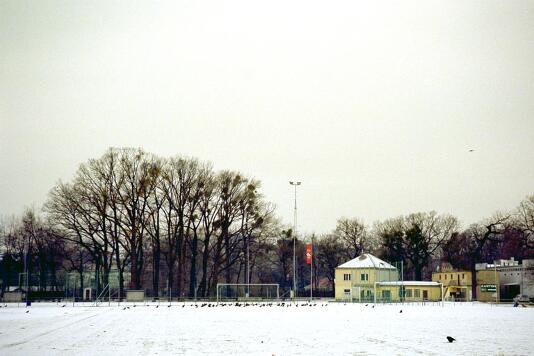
(360,289)
(527,287)
(486,278)
(412,293)
(457,284)
(510,281)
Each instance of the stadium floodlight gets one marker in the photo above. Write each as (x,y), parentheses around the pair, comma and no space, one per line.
(295,184)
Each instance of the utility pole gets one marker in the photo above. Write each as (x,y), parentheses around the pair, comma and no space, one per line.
(295,184)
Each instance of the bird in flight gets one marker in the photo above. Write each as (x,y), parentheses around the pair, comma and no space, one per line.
(471,150)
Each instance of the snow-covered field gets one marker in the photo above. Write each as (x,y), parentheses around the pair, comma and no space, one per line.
(334,329)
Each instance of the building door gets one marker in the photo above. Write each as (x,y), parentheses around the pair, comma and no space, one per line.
(386,295)
(511,291)
(347,295)
(425,295)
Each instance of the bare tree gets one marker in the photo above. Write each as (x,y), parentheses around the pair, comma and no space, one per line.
(478,235)
(209,207)
(524,220)
(354,236)
(137,177)
(330,254)
(416,237)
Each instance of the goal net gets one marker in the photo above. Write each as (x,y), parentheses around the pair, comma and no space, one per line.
(250,292)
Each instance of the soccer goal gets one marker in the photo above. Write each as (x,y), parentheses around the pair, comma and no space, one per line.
(244,291)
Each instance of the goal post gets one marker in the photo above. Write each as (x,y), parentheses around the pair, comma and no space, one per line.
(247,291)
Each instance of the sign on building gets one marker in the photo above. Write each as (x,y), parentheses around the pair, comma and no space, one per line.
(488,288)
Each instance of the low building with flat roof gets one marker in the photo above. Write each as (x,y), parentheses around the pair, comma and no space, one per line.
(509,277)
(408,291)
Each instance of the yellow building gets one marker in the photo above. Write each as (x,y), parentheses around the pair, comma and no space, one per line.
(409,291)
(355,279)
(487,285)
(457,285)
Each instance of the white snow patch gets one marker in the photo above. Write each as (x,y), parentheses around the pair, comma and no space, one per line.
(335,329)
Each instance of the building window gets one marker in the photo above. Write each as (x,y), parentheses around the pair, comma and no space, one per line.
(364,277)
(346,276)
(439,275)
(452,276)
(347,291)
(445,277)
(408,293)
(416,293)
(463,275)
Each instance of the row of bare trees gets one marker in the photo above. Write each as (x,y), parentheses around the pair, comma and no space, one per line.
(424,241)
(176,224)
(135,211)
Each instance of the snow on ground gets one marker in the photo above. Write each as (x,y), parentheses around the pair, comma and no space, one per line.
(335,329)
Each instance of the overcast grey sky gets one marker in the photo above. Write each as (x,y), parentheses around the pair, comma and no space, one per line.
(373,105)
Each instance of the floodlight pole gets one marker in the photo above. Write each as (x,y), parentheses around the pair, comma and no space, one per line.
(295,184)
(26,252)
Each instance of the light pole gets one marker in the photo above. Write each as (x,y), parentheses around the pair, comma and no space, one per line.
(26,268)
(295,184)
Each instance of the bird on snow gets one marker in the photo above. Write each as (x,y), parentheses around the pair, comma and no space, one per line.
(471,150)
(373,306)
(400,311)
(27,311)
(63,306)
(451,339)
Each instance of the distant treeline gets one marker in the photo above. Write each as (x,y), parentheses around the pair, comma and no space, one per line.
(176,224)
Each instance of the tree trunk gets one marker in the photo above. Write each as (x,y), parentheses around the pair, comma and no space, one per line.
(473,280)
(170,281)
(418,272)
(134,277)
(80,271)
(228,276)
(205,256)
(120,269)
(193,269)
(156,258)
(216,264)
